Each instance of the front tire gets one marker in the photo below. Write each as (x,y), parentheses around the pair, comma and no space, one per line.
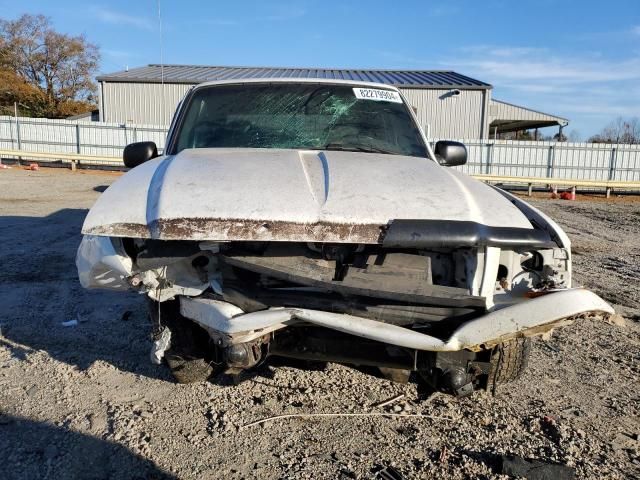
(190,356)
(508,362)
(186,358)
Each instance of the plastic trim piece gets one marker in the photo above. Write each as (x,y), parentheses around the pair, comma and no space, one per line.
(443,233)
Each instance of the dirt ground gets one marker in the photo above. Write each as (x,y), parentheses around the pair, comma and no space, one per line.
(85,401)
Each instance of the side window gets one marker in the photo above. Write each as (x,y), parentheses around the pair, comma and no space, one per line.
(190,124)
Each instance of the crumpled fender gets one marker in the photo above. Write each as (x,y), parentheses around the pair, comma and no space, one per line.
(102,263)
(539,218)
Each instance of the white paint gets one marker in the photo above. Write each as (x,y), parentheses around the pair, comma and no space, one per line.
(274,185)
(528,314)
(489,274)
(214,314)
(102,263)
(541,219)
(491,327)
(219,319)
(314,167)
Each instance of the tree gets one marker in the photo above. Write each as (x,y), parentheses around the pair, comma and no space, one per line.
(559,137)
(50,73)
(526,135)
(518,135)
(621,130)
(15,90)
(574,136)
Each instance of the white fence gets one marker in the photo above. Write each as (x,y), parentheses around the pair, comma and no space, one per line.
(66,136)
(578,161)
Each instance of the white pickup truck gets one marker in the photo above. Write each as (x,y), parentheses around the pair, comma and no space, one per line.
(312,219)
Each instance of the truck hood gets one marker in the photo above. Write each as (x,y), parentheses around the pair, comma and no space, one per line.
(289,195)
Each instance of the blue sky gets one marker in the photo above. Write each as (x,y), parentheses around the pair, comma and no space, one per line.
(575,58)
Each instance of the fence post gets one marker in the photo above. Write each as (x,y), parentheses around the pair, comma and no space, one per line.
(134,137)
(612,163)
(11,135)
(77,138)
(18,133)
(550,161)
(19,139)
(489,158)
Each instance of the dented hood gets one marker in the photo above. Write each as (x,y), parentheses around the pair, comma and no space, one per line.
(289,195)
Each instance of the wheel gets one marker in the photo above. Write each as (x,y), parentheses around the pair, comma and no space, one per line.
(186,357)
(190,356)
(508,362)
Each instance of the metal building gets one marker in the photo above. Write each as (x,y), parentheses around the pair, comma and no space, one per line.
(448,104)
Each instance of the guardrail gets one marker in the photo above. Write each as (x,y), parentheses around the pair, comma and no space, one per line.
(73,160)
(554,183)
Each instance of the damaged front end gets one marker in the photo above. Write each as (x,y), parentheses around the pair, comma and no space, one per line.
(312,219)
(411,302)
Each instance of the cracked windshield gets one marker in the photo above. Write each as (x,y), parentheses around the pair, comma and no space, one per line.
(308,116)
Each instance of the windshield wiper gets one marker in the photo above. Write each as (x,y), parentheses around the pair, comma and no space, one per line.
(354,148)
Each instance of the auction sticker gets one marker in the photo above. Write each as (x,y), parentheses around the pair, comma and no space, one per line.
(377,95)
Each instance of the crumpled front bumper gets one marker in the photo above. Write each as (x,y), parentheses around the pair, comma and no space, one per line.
(230,325)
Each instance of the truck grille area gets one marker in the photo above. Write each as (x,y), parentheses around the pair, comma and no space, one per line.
(393,286)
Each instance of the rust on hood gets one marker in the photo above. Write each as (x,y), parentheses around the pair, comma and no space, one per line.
(244,230)
(133,230)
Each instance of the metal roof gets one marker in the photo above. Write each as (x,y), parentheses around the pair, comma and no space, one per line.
(506,108)
(194,74)
(508,117)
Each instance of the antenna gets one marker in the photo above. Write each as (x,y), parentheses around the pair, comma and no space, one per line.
(162,100)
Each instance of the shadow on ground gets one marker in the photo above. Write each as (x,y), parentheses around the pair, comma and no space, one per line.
(32,450)
(39,290)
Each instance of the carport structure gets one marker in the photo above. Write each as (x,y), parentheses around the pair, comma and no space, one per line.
(506,117)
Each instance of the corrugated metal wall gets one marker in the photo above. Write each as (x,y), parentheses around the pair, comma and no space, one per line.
(145,103)
(448,116)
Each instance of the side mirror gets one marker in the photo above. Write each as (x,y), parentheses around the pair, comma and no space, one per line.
(137,153)
(450,153)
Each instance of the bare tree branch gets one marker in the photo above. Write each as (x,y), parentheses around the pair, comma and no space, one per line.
(621,130)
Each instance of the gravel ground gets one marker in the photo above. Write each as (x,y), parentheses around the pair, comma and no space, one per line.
(85,402)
